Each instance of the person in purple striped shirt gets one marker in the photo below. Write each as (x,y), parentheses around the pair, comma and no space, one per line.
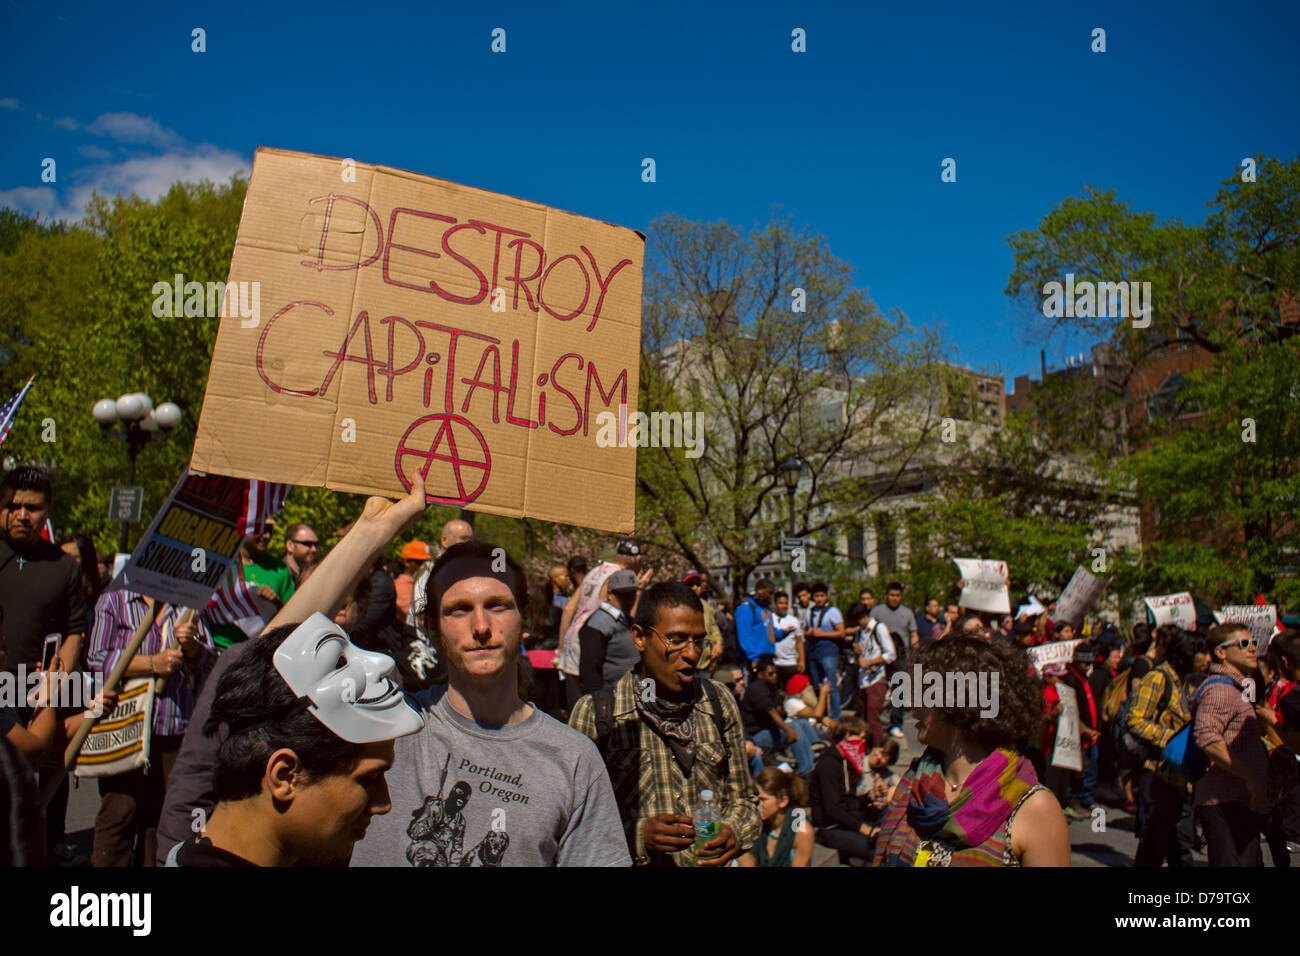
(178,651)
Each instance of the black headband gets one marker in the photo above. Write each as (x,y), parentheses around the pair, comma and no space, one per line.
(473,566)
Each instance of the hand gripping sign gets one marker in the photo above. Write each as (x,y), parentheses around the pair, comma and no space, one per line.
(410,325)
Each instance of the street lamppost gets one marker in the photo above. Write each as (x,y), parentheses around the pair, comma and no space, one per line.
(141,424)
(791,469)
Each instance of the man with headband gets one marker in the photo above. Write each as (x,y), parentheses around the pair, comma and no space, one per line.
(310,720)
(490,780)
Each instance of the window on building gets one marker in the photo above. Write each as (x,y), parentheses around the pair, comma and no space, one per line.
(886,544)
(1168,401)
(857,549)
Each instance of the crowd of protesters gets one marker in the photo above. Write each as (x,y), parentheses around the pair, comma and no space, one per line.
(428,712)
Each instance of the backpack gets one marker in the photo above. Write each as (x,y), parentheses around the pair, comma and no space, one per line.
(1115,695)
(1131,751)
(1181,751)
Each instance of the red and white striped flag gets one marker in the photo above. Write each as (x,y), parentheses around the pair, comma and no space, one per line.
(233,599)
(10,410)
(264,501)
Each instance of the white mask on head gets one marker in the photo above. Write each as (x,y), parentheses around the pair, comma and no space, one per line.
(352,691)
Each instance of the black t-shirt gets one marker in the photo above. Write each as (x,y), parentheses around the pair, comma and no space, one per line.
(756,706)
(40,591)
(8,720)
(1289,707)
(203,853)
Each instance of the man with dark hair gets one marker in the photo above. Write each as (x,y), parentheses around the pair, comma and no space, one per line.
(902,628)
(301,549)
(40,594)
(931,624)
(1233,794)
(755,634)
(309,721)
(40,585)
(822,641)
(765,724)
(668,736)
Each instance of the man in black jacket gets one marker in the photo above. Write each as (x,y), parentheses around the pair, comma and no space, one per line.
(837,810)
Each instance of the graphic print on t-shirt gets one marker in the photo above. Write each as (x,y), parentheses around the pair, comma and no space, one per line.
(437,828)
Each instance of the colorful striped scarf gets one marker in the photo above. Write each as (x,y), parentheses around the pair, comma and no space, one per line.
(993,789)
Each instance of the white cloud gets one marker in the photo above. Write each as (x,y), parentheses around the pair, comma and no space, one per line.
(133,128)
(34,200)
(151,176)
(9,103)
(147,176)
(91,151)
(65,122)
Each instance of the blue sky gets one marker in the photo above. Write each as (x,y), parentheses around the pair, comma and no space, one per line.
(847,137)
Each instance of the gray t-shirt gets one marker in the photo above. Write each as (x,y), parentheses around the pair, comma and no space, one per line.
(535,793)
(900,621)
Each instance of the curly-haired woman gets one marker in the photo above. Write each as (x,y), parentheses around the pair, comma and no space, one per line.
(972,798)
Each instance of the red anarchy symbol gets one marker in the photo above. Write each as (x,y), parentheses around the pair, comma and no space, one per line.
(447,427)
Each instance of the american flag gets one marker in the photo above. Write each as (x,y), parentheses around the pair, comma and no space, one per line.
(10,410)
(264,501)
(233,599)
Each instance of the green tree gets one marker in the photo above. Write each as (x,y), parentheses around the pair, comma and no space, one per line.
(1223,488)
(1011,497)
(85,308)
(768,338)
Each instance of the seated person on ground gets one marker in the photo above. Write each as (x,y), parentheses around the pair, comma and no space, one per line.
(787,838)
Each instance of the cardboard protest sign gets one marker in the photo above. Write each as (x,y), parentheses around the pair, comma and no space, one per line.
(1055,652)
(191,542)
(985,585)
(1177,609)
(1261,619)
(1068,753)
(1078,597)
(405,324)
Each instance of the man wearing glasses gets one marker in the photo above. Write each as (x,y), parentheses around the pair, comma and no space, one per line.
(1234,792)
(301,549)
(667,734)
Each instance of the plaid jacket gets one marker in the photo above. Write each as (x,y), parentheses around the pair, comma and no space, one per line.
(1159,728)
(648,781)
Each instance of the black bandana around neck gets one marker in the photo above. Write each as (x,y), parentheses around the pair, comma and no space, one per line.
(674,721)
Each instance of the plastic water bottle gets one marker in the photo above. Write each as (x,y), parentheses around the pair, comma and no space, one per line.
(707,820)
